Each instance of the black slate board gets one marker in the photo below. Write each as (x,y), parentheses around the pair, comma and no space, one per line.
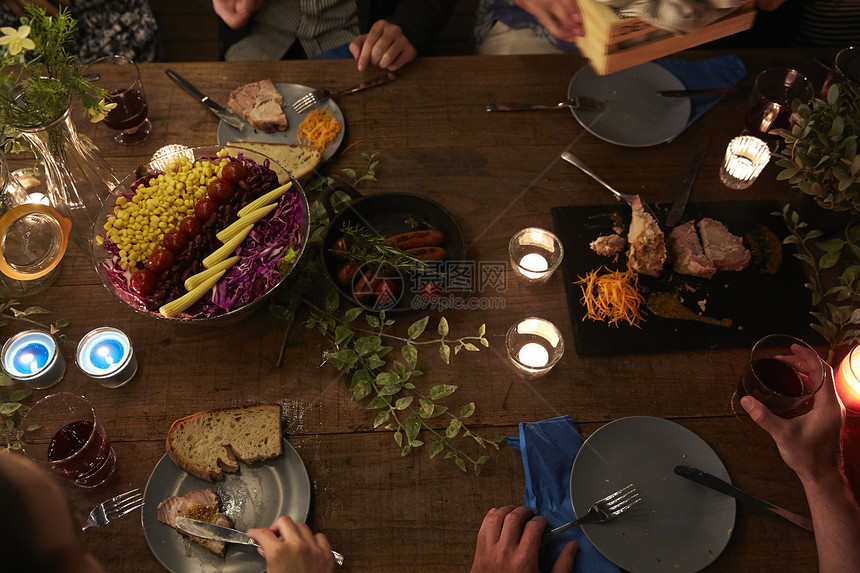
(757,303)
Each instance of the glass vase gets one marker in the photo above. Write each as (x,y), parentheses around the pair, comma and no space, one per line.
(78,178)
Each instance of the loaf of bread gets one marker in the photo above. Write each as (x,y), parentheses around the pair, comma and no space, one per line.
(209,443)
(300,160)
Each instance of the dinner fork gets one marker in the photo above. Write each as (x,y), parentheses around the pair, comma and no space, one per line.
(604,509)
(114,508)
(626,197)
(317,96)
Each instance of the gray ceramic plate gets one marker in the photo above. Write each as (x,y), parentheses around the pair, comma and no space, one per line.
(290,93)
(634,116)
(679,526)
(253,497)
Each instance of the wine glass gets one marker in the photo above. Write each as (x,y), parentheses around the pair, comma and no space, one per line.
(770,101)
(120,77)
(845,70)
(783,373)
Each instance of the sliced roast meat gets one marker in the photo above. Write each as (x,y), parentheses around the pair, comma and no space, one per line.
(260,104)
(689,257)
(202,505)
(725,250)
(647,251)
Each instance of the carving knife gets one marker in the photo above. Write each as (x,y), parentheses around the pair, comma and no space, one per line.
(681,202)
(715,483)
(212,531)
(226,115)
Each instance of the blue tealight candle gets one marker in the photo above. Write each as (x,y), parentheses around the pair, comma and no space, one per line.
(106,355)
(32,357)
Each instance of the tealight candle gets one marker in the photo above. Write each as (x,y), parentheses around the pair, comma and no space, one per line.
(746,156)
(847,381)
(106,355)
(32,357)
(535,253)
(534,346)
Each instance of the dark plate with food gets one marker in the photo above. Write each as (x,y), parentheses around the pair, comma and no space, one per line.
(392,251)
(727,279)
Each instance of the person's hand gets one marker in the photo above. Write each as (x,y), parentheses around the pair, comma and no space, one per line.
(509,541)
(290,547)
(561,18)
(236,13)
(384,46)
(809,444)
(50,7)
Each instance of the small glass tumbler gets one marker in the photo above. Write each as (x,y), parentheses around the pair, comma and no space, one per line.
(105,354)
(746,157)
(847,381)
(33,358)
(534,346)
(120,77)
(69,439)
(535,253)
(845,70)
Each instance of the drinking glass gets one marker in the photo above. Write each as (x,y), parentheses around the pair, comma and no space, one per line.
(69,439)
(770,101)
(783,373)
(845,70)
(120,77)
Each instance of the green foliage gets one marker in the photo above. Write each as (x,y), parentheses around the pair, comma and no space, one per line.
(839,298)
(12,411)
(353,177)
(820,156)
(36,84)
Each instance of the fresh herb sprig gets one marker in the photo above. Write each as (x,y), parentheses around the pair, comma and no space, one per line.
(365,246)
(838,297)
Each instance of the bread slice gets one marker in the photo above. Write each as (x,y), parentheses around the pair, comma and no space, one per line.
(300,160)
(209,443)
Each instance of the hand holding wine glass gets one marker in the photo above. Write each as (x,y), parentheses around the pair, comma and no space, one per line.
(120,77)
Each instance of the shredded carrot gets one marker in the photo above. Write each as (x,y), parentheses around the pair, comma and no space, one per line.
(612,297)
(319,129)
(350,146)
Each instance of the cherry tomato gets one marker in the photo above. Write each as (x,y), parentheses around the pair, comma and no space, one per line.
(234,171)
(143,282)
(205,209)
(386,293)
(160,260)
(175,240)
(430,289)
(191,226)
(220,190)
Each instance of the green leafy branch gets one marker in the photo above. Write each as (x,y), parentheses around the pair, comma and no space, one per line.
(838,322)
(354,177)
(12,411)
(388,382)
(8,312)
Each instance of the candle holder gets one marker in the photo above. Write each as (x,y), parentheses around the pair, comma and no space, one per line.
(535,253)
(106,355)
(847,381)
(534,346)
(746,157)
(32,358)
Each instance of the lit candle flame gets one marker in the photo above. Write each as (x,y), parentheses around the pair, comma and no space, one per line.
(533,355)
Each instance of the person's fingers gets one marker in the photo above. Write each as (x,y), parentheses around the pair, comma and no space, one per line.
(564,563)
(285,527)
(759,413)
(356,44)
(372,37)
(512,529)
(491,528)
(533,532)
(265,537)
(404,56)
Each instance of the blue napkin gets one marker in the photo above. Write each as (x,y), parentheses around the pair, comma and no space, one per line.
(548,449)
(720,72)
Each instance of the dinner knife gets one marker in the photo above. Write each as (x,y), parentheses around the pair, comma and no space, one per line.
(701,92)
(579,102)
(371,83)
(681,202)
(226,115)
(219,533)
(715,483)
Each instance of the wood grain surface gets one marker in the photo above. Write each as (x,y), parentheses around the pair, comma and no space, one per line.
(496,173)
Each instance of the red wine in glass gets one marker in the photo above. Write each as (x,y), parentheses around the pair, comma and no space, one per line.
(92,449)
(130,111)
(763,116)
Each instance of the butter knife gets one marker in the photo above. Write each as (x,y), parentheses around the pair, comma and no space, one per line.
(218,533)
(715,483)
(681,202)
(226,115)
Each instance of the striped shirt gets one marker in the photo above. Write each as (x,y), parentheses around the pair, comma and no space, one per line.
(829,23)
(318,25)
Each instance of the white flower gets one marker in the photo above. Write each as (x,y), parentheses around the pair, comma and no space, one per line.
(99,113)
(16,40)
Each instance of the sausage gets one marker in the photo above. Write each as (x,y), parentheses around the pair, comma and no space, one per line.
(365,286)
(347,272)
(428,253)
(416,239)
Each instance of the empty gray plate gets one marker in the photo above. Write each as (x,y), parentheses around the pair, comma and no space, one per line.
(634,116)
(679,526)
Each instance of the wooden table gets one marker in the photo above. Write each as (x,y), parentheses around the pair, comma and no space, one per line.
(497,173)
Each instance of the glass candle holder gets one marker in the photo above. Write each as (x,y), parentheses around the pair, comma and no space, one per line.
(106,355)
(534,346)
(746,157)
(32,358)
(847,381)
(535,253)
